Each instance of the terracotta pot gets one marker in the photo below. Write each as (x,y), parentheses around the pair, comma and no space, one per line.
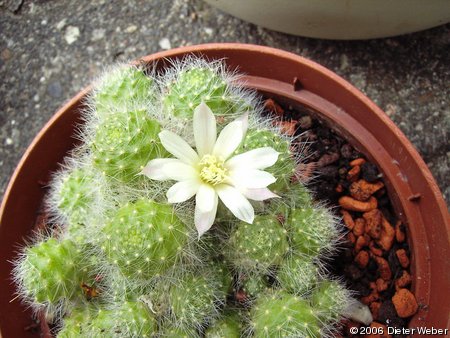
(290,79)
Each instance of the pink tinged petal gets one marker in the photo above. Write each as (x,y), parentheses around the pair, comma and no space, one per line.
(204,129)
(204,199)
(182,191)
(229,139)
(236,202)
(258,194)
(204,220)
(154,168)
(251,179)
(259,158)
(178,147)
(179,171)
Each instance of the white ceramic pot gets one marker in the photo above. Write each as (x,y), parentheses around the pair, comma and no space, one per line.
(340,19)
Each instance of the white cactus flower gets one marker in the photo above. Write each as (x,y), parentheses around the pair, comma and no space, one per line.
(210,173)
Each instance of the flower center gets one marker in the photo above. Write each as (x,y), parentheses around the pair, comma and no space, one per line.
(212,170)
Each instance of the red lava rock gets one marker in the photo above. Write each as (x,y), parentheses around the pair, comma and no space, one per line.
(351,237)
(402,258)
(327,159)
(399,233)
(373,297)
(382,329)
(362,190)
(374,308)
(353,174)
(360,243)
(339,188)
(352,204)
(382,285)
(405,303)
(375,249)
(287,127)
(373,286)
(362,259)
(373,223)
(404,280)
(360,227)
(348,219)
(273,107)
(383,268)
(387,235)
(357,162)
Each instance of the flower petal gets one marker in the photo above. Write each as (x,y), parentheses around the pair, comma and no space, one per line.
(251,179)
(204,220)
(180,171)
(162,169)
(236,202)
(244,119)
(205,197)
(182,191)
(204,129)
(229,139)
(259,158)
(258,194)
(178,147)
(154,168)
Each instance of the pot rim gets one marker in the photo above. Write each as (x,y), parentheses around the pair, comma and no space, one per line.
(421,253)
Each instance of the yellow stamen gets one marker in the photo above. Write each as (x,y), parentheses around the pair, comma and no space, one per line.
(212,170)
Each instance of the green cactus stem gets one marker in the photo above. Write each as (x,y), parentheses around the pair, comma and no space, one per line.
(121,89)
(297,275)
(280,314)
(228,326)
(312,231)
(257,246)
(144,239)
(52,271)
(123,145)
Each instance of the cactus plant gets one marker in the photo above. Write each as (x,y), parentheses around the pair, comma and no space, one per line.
(130,255)
(123,144)
(253,285)
(121,88)
(50,273)
(228,326)
(280,314)
(297,275)
(312,231)
(196,297)
(258,246)
(144,238)
(195,81)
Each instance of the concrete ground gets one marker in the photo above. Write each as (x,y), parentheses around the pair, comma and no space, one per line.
(49,50)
